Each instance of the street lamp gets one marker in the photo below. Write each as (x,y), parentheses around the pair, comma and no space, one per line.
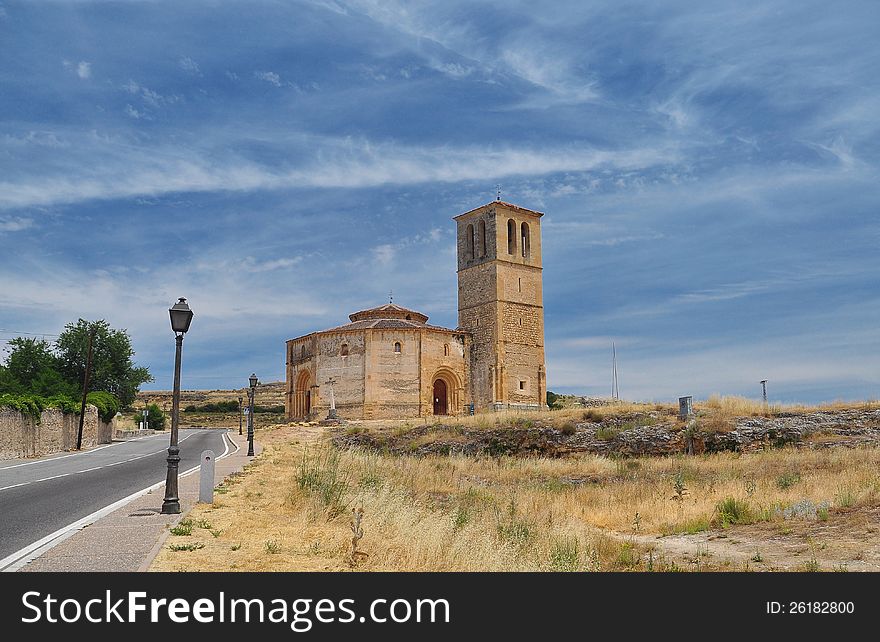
(251,392)
(239,414)
(181,317)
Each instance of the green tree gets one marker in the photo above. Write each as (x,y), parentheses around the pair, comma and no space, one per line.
(155,417)
(112,367)
(553,400)
(28,359)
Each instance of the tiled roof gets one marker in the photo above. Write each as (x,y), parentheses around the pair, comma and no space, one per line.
(389,311)
(517,208)
(386,324)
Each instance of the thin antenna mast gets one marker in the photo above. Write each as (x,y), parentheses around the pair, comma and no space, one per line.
(615,386)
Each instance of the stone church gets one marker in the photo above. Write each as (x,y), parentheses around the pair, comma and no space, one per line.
(389,362)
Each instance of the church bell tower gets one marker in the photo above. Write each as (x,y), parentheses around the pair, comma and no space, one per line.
(500,302)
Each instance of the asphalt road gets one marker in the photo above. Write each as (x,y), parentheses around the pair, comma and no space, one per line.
(39,497)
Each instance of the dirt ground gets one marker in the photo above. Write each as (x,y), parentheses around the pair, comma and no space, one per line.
(849,540)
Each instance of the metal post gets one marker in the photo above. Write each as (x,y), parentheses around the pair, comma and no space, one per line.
(171,505)
(250,434)
(764,388)
(239,414)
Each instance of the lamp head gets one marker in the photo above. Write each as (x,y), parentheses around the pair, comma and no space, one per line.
(181,316)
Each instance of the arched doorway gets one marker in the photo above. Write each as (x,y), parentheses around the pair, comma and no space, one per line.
(302,399)
(441,397)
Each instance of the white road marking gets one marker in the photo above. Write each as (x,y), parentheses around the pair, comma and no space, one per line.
(29,553)
(51,459)
(88,470)
(87,452)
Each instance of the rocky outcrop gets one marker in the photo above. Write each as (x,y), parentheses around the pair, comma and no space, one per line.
(634,435)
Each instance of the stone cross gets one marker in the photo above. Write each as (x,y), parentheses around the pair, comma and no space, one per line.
(332,413)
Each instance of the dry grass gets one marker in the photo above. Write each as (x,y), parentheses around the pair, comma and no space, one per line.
(292,509)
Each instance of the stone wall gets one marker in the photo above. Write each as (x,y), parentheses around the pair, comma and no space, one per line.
(22,436)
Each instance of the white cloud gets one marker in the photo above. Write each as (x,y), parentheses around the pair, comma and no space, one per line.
(134,113)
(122,170)
(269,76)
(384,254)
(15,224)
(189,65)
(82,69)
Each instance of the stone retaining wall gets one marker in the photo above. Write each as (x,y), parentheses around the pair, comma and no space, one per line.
(22,436)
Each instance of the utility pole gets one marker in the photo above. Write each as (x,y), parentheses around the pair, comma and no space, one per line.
(82,408)
(615,386)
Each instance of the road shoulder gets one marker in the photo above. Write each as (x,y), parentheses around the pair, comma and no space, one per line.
(128,538)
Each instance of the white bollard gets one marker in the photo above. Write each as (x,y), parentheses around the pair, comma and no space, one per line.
(206,478)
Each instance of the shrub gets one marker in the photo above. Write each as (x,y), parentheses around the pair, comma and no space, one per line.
(272,547)
(732,511)
(33,405)
(786,481)
(192,546)
(106,403)
(845,498)
(185,527)
(155,417)
(30,405)
(320,476)
(565,556)
(568,428)
(606,432)
(218,406)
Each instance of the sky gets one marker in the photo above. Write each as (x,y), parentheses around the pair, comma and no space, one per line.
(708,173)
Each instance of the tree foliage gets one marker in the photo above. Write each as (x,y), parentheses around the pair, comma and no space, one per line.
(553,400)
(155,417)
(106,403)
(36,368)
(112,367)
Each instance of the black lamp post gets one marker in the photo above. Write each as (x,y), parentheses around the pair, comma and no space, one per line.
(239,414)
(181,317)
(251,392)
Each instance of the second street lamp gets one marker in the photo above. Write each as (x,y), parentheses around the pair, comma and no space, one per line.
(251,392)
(181,317)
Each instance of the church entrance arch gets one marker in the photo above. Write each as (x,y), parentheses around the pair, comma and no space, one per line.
(446,392)
(441,397)
(302,398)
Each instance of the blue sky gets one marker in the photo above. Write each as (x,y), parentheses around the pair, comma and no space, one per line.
(708,172)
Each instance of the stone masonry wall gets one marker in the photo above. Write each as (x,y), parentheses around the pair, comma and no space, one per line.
(21,436)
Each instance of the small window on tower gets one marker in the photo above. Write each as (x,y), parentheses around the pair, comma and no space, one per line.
(302,353)
(344,350)
(397,347)
(446,350)
(522,385)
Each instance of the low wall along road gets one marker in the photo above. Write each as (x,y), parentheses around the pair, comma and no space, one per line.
(24,436)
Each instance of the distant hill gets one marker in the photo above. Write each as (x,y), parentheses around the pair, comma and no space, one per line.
(268,394)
